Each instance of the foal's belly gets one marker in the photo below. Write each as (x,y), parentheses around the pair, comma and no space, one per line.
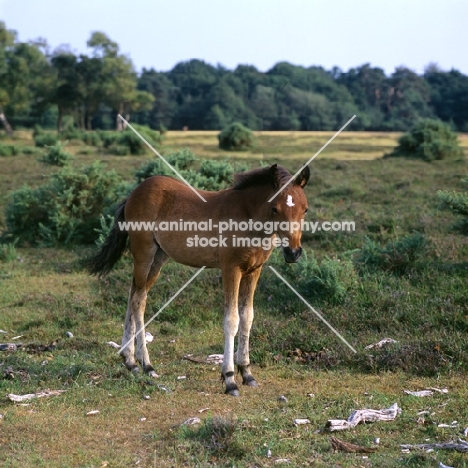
(190,248)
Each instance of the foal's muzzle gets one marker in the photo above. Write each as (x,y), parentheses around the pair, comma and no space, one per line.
(291,255)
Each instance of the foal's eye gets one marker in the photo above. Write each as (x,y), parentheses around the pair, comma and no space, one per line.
(274,210)
(306,210)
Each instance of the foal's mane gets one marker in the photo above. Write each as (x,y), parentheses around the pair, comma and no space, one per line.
(261,176)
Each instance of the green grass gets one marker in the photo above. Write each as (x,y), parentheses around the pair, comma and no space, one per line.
(45,293)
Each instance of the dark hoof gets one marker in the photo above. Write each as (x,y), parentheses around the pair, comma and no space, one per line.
(150,371)
(232,390)
(250,382)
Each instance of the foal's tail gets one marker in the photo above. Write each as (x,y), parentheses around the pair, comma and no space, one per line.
(112,248)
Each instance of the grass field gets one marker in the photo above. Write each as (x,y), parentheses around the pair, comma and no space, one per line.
(45,292)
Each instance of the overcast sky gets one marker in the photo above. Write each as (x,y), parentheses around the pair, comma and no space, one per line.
(343,33)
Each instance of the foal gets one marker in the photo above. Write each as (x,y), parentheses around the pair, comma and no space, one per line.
(230,242)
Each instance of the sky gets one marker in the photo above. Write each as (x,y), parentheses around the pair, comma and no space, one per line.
(344,33)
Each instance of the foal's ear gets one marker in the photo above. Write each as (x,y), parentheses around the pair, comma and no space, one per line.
(274,176)
(303,177)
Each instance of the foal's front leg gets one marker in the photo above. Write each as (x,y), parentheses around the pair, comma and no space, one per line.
(246,312)
(231,280)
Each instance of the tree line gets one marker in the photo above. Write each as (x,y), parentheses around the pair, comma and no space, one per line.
(59,88)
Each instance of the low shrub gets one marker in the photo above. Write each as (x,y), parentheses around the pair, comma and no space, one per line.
(181,160)
(88,137)
(131,140)
(213,175)
(153,137)
(8,150)
(397,256)
(207,175)
(458,203)
(67,208)
(45,139)
(236,137)
(428,140)
(328,281)
(56,156)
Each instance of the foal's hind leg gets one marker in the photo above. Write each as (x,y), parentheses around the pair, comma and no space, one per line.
(147,265)
(136,306)
(246,314)
(128,340)
(160,258)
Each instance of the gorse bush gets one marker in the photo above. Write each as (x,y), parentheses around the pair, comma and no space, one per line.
(128,142)
(45,139)
(90,138)
(106,224)
(182,160)
(67,208)
(207,175)
(236,137)
(399,256)
(213,175)
(153,137)
(56,156)
(429,140)
(328,281)
(76,205)
(458,203)
(8,150)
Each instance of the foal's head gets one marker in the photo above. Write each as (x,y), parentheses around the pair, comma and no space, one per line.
(287,210)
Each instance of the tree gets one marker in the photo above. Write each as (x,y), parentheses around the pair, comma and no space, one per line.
(250,78)
(39,76)
(164,106)
(225,107)
(102,46)
(449,96)
(313,110)
(407,99)
(90,72)
(264,106)
(193,78)
(12,86)
(68,92)
(119,81)
(369,89)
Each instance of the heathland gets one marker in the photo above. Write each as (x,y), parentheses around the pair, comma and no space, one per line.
(402,274)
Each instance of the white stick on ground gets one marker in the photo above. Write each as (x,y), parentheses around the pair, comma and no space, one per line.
(459,446)
(32,396)
(364,415)
(381,343)
(428,392)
